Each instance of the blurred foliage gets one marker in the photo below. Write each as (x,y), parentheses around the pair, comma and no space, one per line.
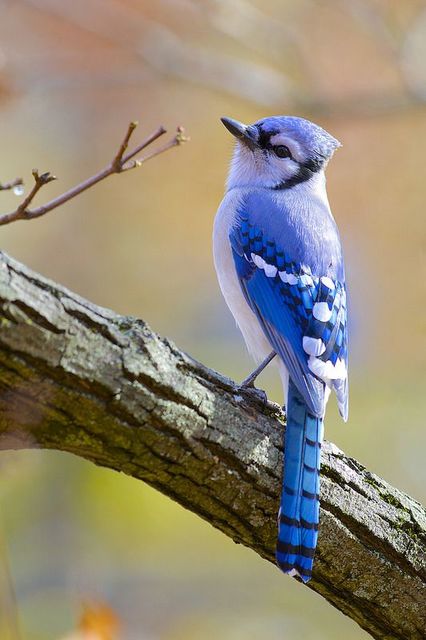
(72,75)
(97,622)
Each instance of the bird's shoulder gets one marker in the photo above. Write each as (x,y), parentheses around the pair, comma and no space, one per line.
(296,222)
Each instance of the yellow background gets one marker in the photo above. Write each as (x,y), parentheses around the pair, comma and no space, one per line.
(72,75)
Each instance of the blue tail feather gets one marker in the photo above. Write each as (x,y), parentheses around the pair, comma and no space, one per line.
(299,511)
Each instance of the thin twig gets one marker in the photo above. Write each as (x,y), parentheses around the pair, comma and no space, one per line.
(179,138)
(6,186)
(39,182)
(119,163)
(144,144)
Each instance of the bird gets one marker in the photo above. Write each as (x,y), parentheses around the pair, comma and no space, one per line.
(279,262)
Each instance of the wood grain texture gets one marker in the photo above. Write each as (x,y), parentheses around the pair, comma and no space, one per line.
(79,378)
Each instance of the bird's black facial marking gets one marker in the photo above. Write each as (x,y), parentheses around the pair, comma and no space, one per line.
(314,164)
(306,170)
(264,137)
(264,142)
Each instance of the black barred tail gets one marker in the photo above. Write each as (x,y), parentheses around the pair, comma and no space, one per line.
(299,511)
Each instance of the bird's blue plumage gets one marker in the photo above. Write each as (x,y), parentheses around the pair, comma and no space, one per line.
(287,260)
(299,272)
(282,292)
(299,508)
(308,237)
(313,137)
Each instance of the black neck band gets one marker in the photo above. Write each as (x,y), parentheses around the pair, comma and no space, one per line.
(305,172)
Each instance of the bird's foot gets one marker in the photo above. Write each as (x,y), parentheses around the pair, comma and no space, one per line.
(250,391)
(247,387)
(249,381)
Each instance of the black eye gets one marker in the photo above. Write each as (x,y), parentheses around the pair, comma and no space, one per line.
(282,151)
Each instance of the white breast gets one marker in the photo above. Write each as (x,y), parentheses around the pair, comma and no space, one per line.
(257,344)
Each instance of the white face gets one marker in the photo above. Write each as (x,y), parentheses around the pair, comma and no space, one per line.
(263,167)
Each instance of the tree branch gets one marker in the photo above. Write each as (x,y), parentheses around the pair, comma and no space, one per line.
(119,164)
(16,185)
(79,378)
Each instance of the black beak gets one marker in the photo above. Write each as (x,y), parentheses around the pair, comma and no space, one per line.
(241,131)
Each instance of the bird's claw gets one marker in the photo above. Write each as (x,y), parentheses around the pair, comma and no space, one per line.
(252,392)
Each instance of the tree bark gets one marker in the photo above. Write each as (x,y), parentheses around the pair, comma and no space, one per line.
(79,378)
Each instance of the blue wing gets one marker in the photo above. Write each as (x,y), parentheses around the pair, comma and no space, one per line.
(302,313)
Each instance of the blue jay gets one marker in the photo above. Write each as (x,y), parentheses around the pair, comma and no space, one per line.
(280,267)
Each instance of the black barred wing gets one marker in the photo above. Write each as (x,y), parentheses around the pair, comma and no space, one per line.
(302,314)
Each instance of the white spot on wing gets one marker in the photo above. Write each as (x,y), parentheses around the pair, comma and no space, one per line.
(288,278)
(328,282)
(270,270)
(307,280)
(313,346)
(258,261)
(326,370)
(321,311)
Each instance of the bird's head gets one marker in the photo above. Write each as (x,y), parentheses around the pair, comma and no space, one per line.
(278,152)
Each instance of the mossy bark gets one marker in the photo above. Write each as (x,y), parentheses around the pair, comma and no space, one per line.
(79,378)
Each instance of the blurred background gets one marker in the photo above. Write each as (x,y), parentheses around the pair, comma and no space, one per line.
(72,75)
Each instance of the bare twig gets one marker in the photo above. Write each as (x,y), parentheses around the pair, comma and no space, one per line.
(179,138)
(39,182)
(143,145)
(6,186)
(119,163)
